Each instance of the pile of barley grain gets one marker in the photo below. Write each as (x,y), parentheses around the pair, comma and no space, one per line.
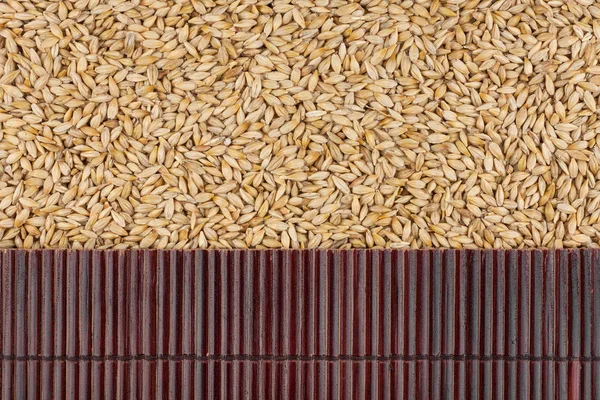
(297,123)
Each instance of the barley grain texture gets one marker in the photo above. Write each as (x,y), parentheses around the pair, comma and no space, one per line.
(299,124)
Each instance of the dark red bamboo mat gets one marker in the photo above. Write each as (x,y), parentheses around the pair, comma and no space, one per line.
(300,324)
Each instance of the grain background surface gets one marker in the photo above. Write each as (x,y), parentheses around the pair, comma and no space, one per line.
(270,124)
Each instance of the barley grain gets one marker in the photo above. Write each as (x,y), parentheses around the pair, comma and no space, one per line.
(306,124)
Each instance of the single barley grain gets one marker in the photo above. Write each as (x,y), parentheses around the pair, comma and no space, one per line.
(321,123)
